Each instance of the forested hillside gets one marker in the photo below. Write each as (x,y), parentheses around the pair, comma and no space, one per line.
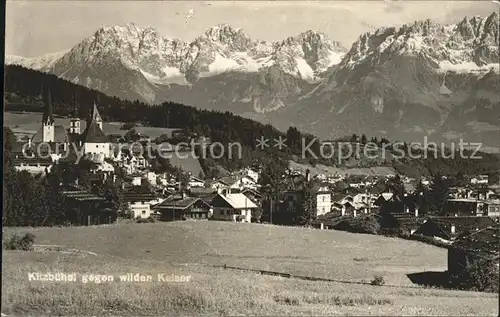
(24,88)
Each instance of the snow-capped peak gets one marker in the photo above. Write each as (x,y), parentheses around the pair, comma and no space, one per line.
(221,48)
(472,41)
(45,62)
(309,54)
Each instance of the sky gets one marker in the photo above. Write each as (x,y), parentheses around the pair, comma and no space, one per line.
(38,27)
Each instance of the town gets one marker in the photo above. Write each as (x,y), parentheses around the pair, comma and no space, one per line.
(440,210)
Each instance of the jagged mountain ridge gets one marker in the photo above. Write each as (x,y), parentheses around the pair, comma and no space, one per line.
(421,79)
(154,63)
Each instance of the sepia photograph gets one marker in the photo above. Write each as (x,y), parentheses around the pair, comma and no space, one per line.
(251,158)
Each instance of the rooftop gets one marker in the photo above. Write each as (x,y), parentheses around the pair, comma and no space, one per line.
(473,200)
(82,195)
(178,202)
(60,135)
(464,223)
(94,134)
(138,193)
(484,240)
(238,201)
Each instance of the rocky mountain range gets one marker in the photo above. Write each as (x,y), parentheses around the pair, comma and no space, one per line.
(419,79)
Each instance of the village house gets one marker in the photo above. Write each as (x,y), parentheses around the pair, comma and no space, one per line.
(151,177)
(195,182)
(230,206)
(364,198)
(32,164)
(140,199)
(472,193)
(348,207)
(254,196)
(478,248)
(409,188)
(382,199)
(472,207)
(479,180)
(254,175)
(88,209)
(402,222)
(448,228)
(334,179)
(323,200)
(182,207)
(322,177)
(322,194)
(135,179)
(425,182)
(235,182)
(225,182)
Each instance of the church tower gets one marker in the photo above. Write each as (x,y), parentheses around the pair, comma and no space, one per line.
(74,121)
(48,134)
(96,116)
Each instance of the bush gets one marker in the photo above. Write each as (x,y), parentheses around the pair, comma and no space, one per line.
(378,281)
(482,276)
(361,224)
(24,243)
(145,220)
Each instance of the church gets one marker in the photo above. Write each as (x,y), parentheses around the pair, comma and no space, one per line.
(92,142)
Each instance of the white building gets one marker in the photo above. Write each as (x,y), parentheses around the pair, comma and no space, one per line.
(244,182)
(140,201)
(254,175)
(195,182)
(323,201)
(481,179)
(95,142)
(232,207)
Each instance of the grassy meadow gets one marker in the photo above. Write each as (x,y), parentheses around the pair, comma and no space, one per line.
(197,249)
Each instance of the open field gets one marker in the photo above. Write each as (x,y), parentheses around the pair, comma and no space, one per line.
(194,248)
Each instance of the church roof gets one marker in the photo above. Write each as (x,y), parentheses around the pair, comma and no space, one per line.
(48,115)
(95,114)
(94,134)
(60,135)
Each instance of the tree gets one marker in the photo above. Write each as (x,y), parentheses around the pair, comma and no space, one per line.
(293,139)
(115,203)
(340,187)
(438,192)
(183,179)
(24,200)
(422,198)
(396,186)
(364,139)
(272,182)
(307,208)
(480,276)
(8,140)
